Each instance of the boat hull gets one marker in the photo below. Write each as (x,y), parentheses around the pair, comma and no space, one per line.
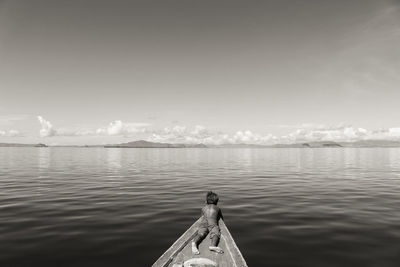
(181,252)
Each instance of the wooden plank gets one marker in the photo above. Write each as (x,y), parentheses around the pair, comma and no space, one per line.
(179,244)
(232,248)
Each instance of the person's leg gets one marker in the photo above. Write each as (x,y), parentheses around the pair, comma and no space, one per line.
(198,238)
(215,236)
(201,234)
(215,241)
(195,245)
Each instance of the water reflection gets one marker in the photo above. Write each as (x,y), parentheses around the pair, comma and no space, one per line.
(43,157)
(114,158)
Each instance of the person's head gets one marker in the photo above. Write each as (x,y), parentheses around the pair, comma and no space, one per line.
(212,198)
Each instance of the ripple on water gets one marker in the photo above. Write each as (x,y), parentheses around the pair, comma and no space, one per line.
(119,207)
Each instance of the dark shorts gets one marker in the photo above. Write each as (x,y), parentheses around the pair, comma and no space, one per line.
(204,229)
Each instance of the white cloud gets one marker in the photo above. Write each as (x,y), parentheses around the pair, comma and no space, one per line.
(116,128)
(10,133)
(394,132)
(340,133)
(386,134)
(248,137)
(120,128)
(46,129)
(180,134)
(200,134)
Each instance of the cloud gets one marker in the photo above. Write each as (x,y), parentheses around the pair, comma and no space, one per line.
(310,133)
(386,134)
(46,129)
(200,134)
(120,128)
(10,133)
(179,134)
(116,128)
(328,134)
(394,131)
(248,137)
(341,134)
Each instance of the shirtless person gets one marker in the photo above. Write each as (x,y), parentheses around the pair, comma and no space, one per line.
(211,213)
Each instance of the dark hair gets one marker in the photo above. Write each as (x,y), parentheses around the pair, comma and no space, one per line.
(212,198)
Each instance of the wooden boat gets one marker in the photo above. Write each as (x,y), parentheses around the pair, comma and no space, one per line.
(180,253)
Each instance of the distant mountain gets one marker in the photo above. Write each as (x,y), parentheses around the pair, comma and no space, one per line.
(146,144)
(363,143)
(310,144)
(21,145)
(240,146)
(78,146)
(318,144)
(372,143)
(294,145)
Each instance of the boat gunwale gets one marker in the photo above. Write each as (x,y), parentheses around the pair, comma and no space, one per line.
(230,243)
(165,259)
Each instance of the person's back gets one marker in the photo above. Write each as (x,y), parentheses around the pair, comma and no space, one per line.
(211,214)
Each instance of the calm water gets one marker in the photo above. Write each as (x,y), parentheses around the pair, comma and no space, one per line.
(125,207)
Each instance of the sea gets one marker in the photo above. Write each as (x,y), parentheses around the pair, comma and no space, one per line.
(66,206)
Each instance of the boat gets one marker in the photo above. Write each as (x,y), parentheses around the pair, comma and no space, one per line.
(180,253)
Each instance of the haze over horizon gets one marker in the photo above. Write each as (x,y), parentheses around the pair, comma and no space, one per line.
(262,72)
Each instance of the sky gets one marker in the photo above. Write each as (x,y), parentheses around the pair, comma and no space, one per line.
(97,72)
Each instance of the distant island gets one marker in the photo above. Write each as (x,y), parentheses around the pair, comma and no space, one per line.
(319,144)
(362,143)
(147,144)
(21,145)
